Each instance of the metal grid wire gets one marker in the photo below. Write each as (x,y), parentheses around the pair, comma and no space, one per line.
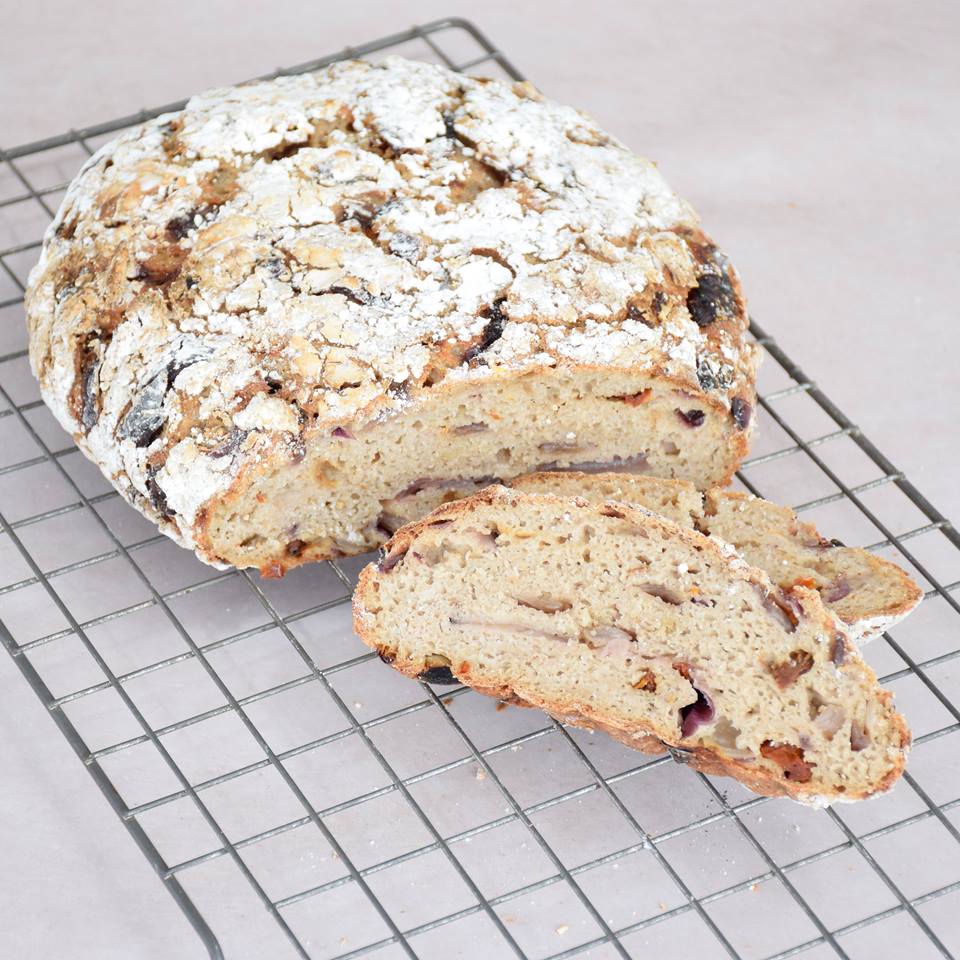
(221,715)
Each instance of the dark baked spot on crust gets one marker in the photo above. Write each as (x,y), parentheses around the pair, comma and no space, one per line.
(492,332)
(319,136)
(358,295)
(157,496)
(741,411)
(363,210)
(162,268)
(84,397)
(480,176)
(637,312)
(439,675)
(437,670)
(711,299)
(284,150)
(714,297)
(67,227)
(145,418)
(179,228)
(713,377)
(230,444)
(220,186)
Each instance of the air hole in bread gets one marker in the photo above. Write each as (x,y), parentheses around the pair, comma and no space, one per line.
(466,428)
(663,593)
(545,604)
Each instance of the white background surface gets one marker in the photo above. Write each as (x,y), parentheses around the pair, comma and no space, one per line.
(818,141)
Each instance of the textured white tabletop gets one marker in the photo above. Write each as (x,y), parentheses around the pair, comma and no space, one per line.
(818,141)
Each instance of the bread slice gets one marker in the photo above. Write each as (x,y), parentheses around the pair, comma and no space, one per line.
(867,593)
(611,617)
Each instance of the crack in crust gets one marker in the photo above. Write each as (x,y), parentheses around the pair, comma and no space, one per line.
(354,238)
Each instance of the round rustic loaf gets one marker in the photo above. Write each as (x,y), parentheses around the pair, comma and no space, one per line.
(271,316)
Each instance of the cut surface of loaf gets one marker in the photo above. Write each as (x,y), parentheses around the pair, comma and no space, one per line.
(869,594)
(611,617)
(276,315)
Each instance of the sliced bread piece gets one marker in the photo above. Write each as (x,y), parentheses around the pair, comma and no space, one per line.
(608,616)
(868,593)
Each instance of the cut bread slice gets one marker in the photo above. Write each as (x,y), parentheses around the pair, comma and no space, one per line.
(868,593)
(610,617)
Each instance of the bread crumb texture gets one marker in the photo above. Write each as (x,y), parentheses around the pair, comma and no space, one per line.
(621,620)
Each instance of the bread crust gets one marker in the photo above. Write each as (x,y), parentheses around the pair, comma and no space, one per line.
(640,735)
(224,286)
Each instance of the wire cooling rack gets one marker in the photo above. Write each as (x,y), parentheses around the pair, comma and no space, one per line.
(260,756)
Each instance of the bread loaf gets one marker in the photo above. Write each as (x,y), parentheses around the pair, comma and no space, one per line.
(275,314)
